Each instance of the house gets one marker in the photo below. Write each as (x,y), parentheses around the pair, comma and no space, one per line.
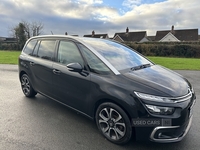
(127,36)
(169,38)
(145,39)
(2,39)
(71,35)
(151,38)
(8,40)
(177,35)
(93,35)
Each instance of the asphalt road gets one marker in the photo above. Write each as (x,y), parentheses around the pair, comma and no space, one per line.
(40,123)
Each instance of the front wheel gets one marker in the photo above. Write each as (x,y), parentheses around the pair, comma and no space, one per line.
(27,87)
(113,123)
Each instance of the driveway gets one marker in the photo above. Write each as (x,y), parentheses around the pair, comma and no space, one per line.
(41,123)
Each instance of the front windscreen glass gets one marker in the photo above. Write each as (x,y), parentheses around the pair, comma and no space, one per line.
(121,57)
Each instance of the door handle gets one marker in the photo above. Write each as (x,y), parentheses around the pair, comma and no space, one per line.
(55,71)
(32,63)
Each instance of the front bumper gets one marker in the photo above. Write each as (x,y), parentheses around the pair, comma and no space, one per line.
(174,131)
(168,134)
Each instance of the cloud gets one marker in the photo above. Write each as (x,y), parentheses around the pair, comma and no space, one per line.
(90,1)
(83,16)
(64,15)
(162,15)
(131,3)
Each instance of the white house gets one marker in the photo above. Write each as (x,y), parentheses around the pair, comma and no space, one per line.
(169,38)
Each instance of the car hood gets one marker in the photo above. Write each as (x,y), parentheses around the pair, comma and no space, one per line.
(160,79)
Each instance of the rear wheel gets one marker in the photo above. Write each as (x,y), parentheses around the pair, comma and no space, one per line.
(27,87)
(113,123)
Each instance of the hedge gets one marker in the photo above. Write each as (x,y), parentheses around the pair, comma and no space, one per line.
(180,49)
(168,49)
(9,46)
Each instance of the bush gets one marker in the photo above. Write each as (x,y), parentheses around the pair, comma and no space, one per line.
(173,49)
(9,46)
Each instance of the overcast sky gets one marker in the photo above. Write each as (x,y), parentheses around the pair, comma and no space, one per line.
(81,17)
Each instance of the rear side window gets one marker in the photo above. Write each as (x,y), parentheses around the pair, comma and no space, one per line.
(46,49)
(30,47)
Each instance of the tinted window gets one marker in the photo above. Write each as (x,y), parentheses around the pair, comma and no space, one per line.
(30,46)
(94,63)
(36,49)
(69,53)
(46,49)
(119,56)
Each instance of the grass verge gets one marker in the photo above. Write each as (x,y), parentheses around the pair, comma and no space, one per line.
(177,63)
(9,57)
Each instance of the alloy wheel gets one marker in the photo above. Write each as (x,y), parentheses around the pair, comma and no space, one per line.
(113,123)
(25,85)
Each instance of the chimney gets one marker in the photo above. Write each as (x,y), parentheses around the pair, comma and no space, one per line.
(93,33)
(127,30)
(172,30)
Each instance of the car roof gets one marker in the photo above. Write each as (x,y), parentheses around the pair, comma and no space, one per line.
(80,39)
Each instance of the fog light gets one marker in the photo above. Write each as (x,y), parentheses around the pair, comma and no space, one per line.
(159,135)
(160,110)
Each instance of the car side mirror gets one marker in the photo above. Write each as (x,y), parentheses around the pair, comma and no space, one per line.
(76,67)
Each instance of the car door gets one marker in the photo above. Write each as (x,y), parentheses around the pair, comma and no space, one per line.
(70,87)
(41,66)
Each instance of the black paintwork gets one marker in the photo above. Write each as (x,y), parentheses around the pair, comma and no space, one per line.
(84,91)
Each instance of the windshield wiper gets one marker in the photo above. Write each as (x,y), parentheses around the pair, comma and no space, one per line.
(140,67)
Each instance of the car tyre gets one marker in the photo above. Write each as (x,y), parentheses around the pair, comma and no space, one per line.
(113,123)
(27,87)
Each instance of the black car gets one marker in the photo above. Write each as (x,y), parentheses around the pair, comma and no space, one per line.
(126,94)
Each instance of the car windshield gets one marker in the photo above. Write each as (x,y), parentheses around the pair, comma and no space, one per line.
(121,57)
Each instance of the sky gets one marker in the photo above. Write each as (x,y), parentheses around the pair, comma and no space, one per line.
(80,17)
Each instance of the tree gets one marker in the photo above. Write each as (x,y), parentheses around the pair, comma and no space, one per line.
(36,28)
(32,29)
(20,35)
(27,29)
(24,30)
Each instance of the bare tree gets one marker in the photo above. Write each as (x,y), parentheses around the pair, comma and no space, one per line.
(36,28)
(30,29)
(26,28)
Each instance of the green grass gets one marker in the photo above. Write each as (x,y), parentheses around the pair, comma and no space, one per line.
(9,57)
(177,63)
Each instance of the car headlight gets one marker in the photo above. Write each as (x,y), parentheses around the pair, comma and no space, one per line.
(154,98)
(192,90)
(159,110)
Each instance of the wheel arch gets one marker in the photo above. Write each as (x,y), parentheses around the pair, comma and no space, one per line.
(101,101)
(22,72)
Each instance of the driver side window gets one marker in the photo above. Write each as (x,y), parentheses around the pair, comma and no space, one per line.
(94,63)
(69,53)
